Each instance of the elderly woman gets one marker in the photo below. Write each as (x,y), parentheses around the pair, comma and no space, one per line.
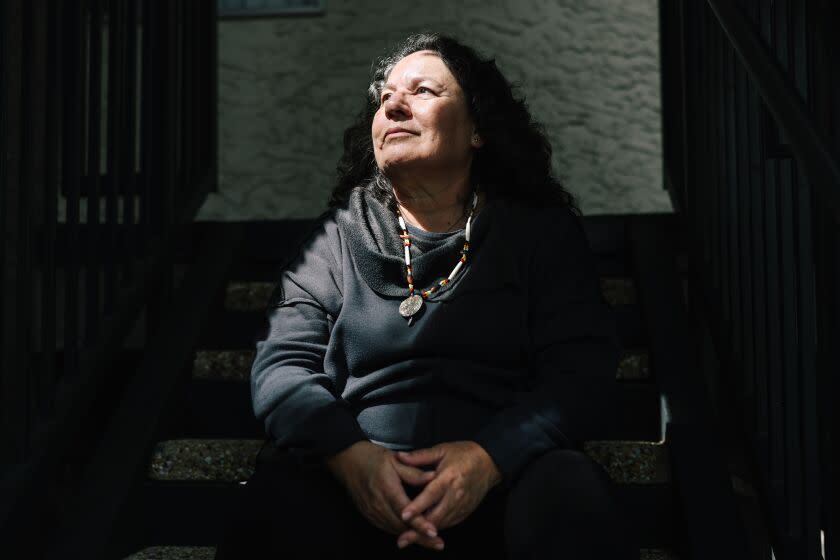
(412,379)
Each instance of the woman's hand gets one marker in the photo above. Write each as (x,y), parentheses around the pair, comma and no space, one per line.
(465,473)
(373,476)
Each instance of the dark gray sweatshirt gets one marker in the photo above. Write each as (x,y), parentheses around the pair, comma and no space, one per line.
(485,360)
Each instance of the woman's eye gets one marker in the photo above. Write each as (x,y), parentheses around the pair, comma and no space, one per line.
(423,89)
(385,97)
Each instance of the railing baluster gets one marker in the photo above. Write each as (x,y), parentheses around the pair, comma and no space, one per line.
(210,156)
(806,326)
(776,471)
(722,202)
(52,147)
(713,150)
(14,388)
(148,122)
(760,302)
(179,106)
(114,174)
(131,161)
(75,69)
(745,248)
(730,133)
(28,298)
(790,346)
(829,380)
(92,181)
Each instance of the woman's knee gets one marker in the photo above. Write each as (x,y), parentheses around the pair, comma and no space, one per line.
(561,479)
(565,499)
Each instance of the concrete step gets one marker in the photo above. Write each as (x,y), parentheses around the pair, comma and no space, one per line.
(223,365)
(235,365)
(174,553)
(631,462)
(233,460)
(215,460)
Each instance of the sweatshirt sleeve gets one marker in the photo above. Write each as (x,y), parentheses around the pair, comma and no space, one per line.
(572,333)
(290,392)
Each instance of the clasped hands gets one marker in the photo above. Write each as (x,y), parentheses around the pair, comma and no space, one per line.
(373,475)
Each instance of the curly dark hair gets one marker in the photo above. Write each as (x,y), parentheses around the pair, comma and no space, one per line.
(515,159)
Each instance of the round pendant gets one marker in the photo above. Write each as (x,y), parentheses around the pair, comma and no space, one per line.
(411,305)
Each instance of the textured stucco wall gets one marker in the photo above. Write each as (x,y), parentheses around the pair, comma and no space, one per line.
(289,86)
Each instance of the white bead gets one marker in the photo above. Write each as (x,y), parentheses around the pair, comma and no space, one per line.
(402,222)
(469,224)
(407,256)
(456,270)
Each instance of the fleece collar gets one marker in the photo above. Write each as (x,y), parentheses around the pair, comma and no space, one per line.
(372,233)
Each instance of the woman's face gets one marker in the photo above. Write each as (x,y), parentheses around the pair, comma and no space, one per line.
(422,125)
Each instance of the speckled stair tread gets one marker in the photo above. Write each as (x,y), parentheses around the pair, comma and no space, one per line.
(223,365)
(631,462)
(217,460)
(233,460)
(634,365)
(656,554)
(618,291)
(235,365)
(174,553)
(253,296)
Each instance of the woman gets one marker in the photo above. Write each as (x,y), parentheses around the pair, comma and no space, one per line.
(412,378)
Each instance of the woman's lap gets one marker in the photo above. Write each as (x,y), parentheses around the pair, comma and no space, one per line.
(562,500)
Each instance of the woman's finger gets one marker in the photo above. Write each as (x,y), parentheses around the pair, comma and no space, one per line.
(396,497)
(428,497)
(443,513)
(382,515)
(413,475)
(413,537)
(422,456)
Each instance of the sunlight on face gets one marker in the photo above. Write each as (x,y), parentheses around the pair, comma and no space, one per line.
(423,123)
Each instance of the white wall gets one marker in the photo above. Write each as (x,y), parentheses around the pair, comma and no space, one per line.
(289,86)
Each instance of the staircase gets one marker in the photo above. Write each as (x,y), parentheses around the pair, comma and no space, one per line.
(207,444)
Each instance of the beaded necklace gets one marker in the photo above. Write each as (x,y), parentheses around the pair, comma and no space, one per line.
(412,304)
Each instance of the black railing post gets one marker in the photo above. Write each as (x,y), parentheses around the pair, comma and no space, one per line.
(52,144)
(13,388)
(131,160)
(115,168)
(75,69)
(92,172)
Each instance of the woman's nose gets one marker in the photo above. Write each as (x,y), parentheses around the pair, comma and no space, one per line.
(396,106)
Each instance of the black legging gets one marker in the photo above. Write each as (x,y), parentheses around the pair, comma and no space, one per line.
(562,506)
